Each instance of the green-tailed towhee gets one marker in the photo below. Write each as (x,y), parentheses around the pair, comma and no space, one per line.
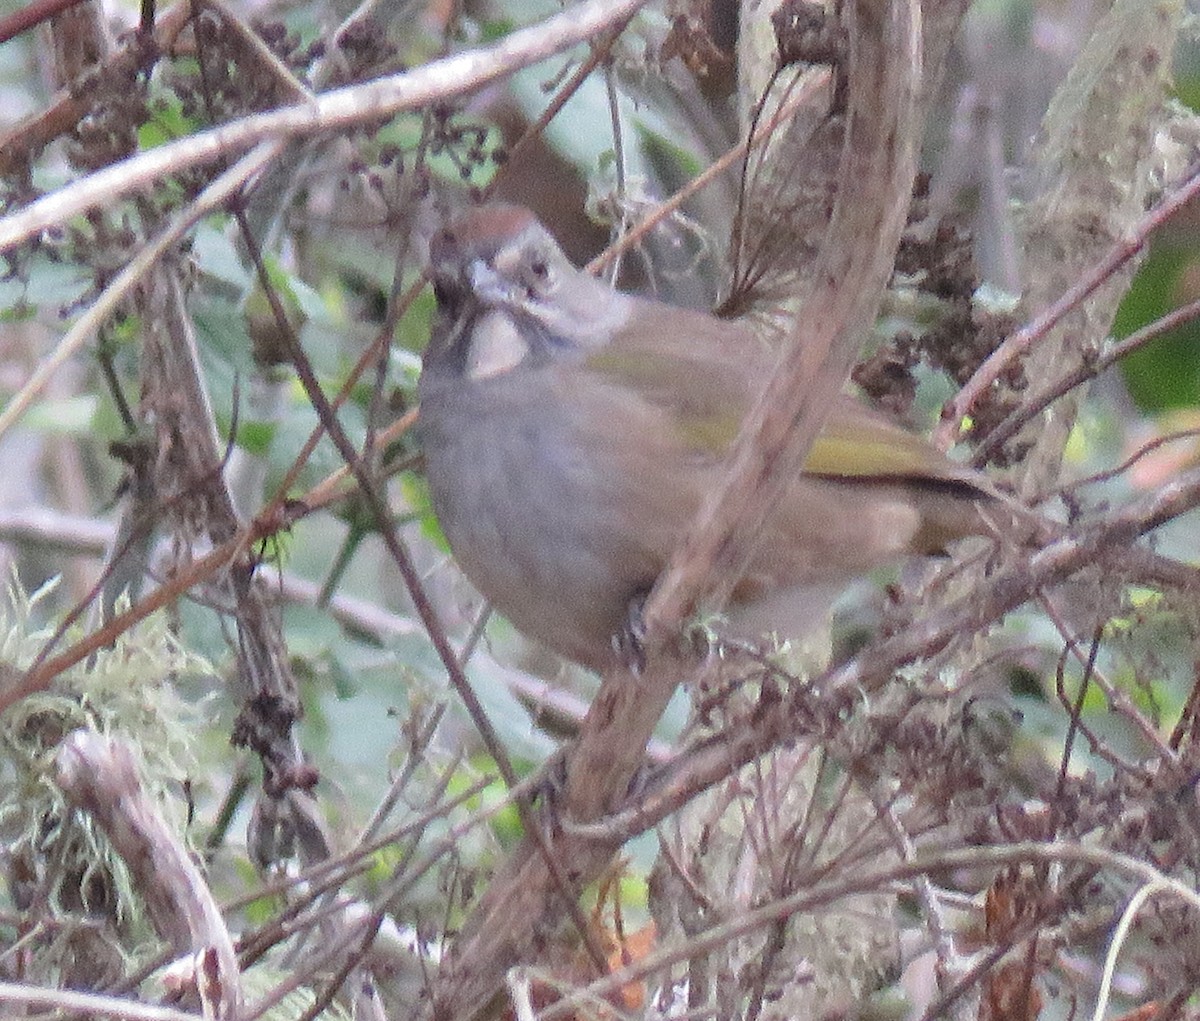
(571,431)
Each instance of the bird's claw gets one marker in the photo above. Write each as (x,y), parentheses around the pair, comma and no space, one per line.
(629,642)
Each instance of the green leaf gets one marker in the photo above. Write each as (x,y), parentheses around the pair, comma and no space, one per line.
(167,122)
(1166,373)
(256,437)
(416,492)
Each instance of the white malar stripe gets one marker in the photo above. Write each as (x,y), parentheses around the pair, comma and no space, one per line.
(496,346)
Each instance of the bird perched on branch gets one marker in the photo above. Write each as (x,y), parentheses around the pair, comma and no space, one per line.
(571,432)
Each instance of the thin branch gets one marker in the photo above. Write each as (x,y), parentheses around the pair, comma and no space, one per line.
(1017,344)
(1121,934)
(821,895)
(213,198)
(665,208)
(424,607)
(90,1004)
(27,138)
(1145,450)
(1118,700)
(1007,429)
(32,14)
(338,109)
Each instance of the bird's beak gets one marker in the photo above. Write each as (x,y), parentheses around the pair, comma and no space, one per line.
(489,286)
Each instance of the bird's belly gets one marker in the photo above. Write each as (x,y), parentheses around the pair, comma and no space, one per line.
(530,523)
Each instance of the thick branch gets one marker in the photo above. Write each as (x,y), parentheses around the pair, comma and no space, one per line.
(99,776)
(878,167)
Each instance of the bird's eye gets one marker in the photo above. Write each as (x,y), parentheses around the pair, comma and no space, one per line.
(537,278)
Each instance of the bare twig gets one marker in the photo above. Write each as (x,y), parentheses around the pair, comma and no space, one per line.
(90,1004)
(331,111)
(214,197)
(12,25)
(822,894)
(1019,343)
(1118,700)
(1144,450)
(31,135)
(428,615)
(665,208)
(1031,406)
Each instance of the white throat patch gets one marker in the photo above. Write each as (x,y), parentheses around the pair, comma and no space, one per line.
(496,346)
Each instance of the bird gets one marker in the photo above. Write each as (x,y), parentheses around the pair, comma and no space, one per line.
(571,430)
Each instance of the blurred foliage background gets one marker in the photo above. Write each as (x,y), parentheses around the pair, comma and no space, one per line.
(343,224)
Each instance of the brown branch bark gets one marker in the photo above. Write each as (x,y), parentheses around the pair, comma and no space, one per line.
(31,15)
(27,139)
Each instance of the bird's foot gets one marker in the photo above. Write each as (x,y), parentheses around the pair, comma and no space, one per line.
(629,642)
